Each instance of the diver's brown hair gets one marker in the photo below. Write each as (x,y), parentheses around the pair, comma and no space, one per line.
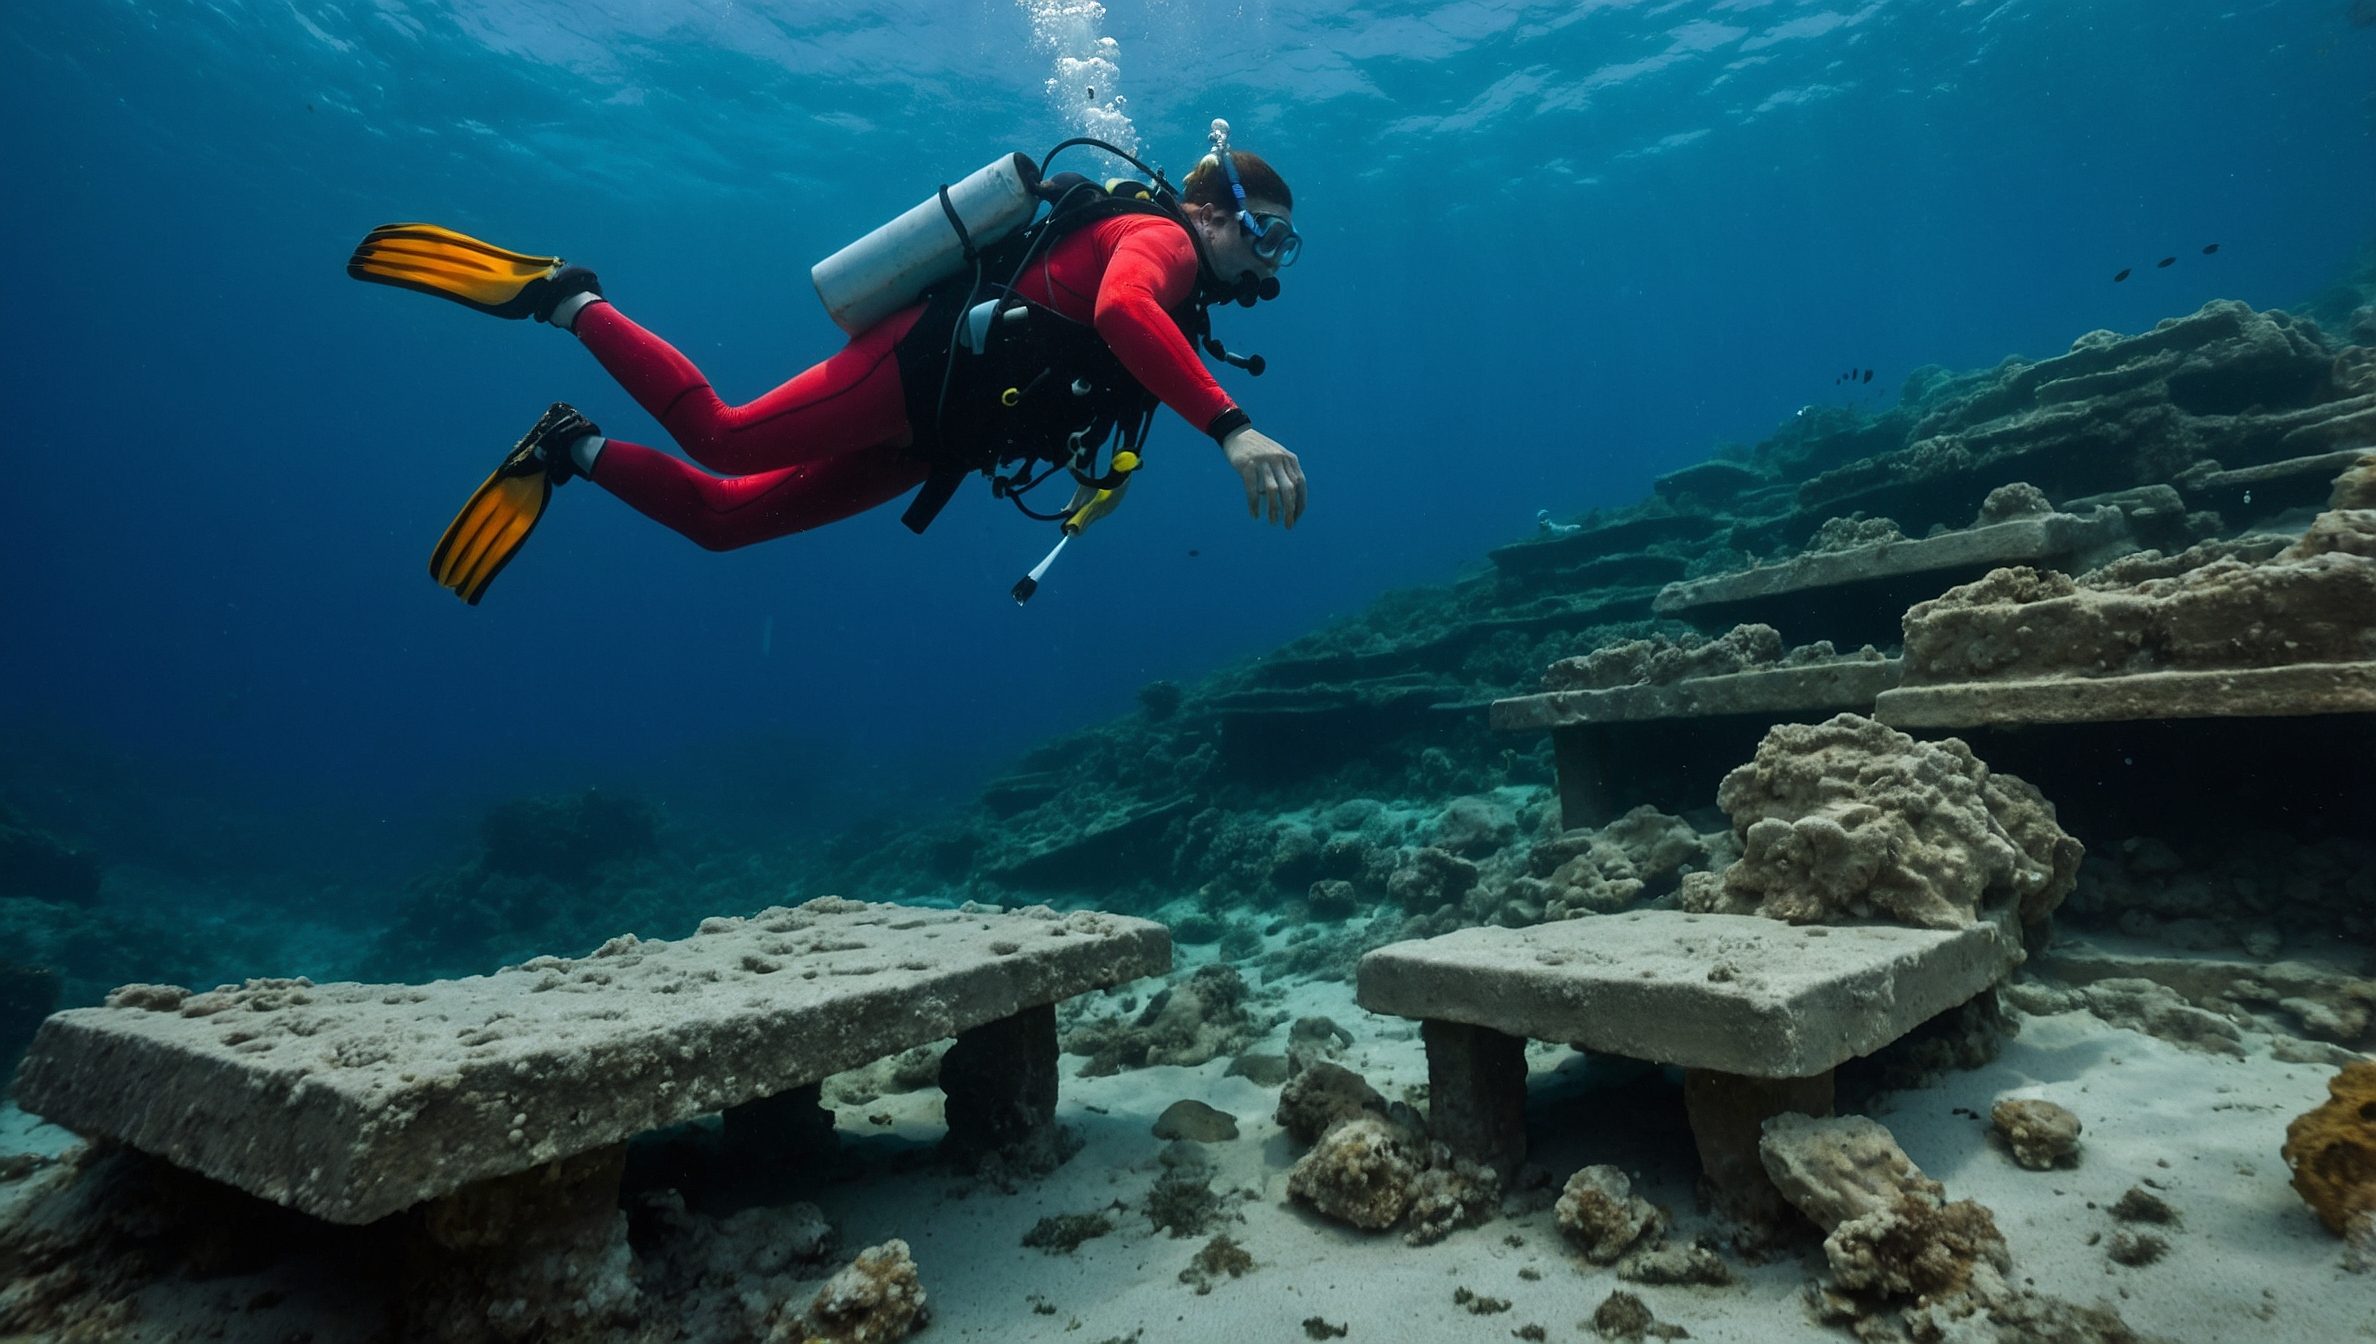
(1208,185)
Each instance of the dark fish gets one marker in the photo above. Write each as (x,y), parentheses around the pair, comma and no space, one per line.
(2165,263)
(2122,276)
(2215,247)
(1093,93)
(1868,375)
(1193,554)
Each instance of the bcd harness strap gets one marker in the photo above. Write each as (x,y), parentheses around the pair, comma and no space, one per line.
(1033,386)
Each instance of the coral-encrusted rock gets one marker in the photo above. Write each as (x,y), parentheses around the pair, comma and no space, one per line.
(2356,487)
(1601,1214)
(1659,660)
(1890,1230)
(1364,1172)
(1432,878)
(1188,1024)
(1854,819)
(876,1299)
(2332,1150)
(1322,1096)
(2041,1134)
(1452,1193)
(1915,1248)
(2313,603)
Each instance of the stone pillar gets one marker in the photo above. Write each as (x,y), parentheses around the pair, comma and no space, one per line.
(540,1254)
(1476,1093)
(1000,1083)
(785,1130)
(1727,1112)
(1582,755)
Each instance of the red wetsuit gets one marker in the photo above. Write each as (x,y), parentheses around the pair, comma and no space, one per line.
(832,442)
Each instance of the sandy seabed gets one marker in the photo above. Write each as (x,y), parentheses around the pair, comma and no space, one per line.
(2248,1261)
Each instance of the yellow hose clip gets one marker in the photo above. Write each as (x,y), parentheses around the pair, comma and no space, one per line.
(1010,396)
(1104,501)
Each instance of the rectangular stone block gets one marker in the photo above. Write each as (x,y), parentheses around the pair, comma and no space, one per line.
(2239,693)
(1736,993)
(351,1101)
(2019,541)
(1847,684)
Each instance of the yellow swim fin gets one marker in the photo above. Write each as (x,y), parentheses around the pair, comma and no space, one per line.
(496,522)
(457,266)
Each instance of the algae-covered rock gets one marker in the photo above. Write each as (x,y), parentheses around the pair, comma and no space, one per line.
(876,1299)
(1850,818)
(1600,1213)
(1323,1096)
(1364,1172)
(2040,1134)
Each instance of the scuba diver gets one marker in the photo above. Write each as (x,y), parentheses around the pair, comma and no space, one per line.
(984,337)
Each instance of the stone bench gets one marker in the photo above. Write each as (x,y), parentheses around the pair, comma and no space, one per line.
(1594,751)
(351,1102)
(1756,1012)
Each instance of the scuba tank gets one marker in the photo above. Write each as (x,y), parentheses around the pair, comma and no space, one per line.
(893,266)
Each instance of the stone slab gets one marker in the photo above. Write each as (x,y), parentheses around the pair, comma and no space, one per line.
(2238,693)
(2205,476)
(1736,993)
(1848,684)
(352,1101)
(2013,542)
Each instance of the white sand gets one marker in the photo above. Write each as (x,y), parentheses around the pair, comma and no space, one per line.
(2248,1263)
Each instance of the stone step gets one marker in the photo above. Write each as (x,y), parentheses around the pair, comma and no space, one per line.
(2239,693)
(351,1101)
(1782,691)
(1805,596)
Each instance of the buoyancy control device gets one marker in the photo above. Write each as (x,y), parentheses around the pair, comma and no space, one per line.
(997,383)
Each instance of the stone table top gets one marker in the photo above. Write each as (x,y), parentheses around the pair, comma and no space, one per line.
(351,1101)
(1738,993)
(2216,693)
(1847,683)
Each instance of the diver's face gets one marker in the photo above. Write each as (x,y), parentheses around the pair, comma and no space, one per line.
(1230,246)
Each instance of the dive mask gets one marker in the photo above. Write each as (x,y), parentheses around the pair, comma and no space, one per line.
(1274,239)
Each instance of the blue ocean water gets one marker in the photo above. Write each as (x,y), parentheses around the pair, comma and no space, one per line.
(1553,251)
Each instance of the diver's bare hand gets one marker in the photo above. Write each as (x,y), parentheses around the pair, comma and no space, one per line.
(1274,479)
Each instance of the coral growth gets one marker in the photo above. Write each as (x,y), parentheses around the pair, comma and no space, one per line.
(1850,818)
(876,1299)
(2314,602)
(1186,1024)
(2332,1151)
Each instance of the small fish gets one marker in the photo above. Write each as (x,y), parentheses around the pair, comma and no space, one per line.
(1868,375)
(2122,276)
(2211,249)
(1193,554)
(2165,263)
(1093,93)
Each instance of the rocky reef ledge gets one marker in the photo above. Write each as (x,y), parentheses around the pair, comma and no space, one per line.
(2138,500)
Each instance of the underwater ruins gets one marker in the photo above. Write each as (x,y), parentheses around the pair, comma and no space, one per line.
(1910,879)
